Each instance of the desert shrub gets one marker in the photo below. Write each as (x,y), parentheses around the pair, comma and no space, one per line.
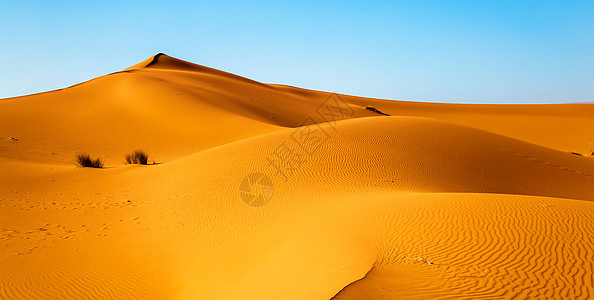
(84,160)
(137,157)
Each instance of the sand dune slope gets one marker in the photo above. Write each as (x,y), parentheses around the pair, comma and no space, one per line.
(181,229)
(273,192)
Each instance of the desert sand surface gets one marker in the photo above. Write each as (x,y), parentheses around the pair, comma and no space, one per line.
(363,198)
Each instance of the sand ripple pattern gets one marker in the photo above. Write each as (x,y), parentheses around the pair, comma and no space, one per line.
(481,246)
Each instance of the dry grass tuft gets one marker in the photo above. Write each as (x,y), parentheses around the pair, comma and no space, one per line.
(137,157)
(84,160)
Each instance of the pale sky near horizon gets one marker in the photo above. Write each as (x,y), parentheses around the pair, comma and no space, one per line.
(473,51)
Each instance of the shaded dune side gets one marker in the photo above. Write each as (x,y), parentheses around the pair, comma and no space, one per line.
(154,60)
(263,102)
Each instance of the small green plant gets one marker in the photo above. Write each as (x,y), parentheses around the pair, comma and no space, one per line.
(137,157)
(84,160)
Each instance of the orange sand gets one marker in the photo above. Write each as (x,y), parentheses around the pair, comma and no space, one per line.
(433,201)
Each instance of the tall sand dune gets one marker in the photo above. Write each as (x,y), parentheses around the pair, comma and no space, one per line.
(265,191)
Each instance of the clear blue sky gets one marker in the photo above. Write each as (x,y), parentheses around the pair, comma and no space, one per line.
(473,51)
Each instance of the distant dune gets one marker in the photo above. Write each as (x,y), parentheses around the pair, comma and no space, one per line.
(263,191)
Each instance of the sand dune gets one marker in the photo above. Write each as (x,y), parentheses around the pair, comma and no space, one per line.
(431,201)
